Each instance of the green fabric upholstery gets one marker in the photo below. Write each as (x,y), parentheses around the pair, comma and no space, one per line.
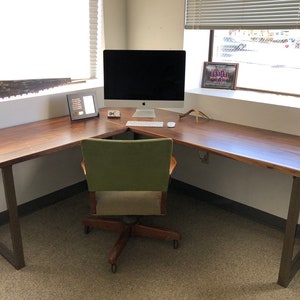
(128,176)
(127,165)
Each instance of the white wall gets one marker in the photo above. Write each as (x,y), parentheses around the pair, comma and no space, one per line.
(43,175)
(153,24)
(115,24)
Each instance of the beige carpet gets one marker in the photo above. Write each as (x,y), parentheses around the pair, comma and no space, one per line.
(221,256)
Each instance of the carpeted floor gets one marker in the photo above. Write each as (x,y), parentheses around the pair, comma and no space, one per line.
(221,256)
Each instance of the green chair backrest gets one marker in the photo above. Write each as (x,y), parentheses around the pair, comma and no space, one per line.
(127,165)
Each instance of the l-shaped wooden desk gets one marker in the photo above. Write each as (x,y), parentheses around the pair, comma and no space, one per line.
(263,148)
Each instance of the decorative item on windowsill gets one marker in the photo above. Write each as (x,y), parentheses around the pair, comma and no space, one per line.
(11,88)
(219,75)
(198,113)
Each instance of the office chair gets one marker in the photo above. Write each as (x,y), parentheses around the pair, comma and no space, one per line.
(127,179)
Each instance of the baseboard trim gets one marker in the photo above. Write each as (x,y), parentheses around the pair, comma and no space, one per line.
(36,204)
(232,206)
(179,186)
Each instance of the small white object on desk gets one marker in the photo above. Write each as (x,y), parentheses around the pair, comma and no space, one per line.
(171,124)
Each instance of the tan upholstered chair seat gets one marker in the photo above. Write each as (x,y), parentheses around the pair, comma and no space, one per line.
(128,203)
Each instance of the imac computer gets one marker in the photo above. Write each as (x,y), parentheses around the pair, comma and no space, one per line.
(144,79)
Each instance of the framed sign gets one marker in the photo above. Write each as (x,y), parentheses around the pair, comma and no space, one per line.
(83,105)
(219,75)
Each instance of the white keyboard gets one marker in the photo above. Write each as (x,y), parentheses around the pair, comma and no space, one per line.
(145,123)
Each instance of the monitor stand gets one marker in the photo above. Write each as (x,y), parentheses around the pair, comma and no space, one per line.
(144,113)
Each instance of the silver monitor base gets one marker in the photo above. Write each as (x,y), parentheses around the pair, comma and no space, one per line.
(144,113)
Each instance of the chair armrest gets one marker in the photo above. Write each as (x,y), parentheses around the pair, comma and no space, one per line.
(173,164)
(83,167)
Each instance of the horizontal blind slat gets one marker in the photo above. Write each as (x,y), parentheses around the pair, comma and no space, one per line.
(217,14)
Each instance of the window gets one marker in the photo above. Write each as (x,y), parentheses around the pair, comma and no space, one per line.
(49,39)
(268,59)
(262,36)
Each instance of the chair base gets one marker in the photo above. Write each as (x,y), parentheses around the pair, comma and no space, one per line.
(126,232)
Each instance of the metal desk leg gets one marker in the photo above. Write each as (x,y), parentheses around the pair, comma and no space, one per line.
(16,255)
(289,265)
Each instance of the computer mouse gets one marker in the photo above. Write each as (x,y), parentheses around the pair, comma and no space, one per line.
(171,124)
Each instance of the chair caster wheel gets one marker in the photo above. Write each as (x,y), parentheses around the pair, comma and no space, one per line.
(87,229)
(114,268)
(175,244)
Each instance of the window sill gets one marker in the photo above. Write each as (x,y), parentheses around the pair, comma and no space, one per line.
(250,96)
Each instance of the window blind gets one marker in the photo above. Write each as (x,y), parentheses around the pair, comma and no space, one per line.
(49,39)
(93,17)
(242,14)
(46,43)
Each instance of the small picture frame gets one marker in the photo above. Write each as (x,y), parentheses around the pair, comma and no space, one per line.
(83,105)
(220,75)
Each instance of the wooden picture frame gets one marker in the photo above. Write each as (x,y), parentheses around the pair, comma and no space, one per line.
(219,75)
(83,105)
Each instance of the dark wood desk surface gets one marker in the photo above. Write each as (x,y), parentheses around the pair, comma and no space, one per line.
(24,142)
(263,148)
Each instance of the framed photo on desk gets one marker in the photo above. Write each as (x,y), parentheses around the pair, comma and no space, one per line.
(219,75)
(83,105)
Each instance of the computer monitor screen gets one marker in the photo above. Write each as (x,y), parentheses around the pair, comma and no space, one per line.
(144,78)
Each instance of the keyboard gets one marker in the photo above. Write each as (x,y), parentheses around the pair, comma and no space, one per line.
(145,123)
